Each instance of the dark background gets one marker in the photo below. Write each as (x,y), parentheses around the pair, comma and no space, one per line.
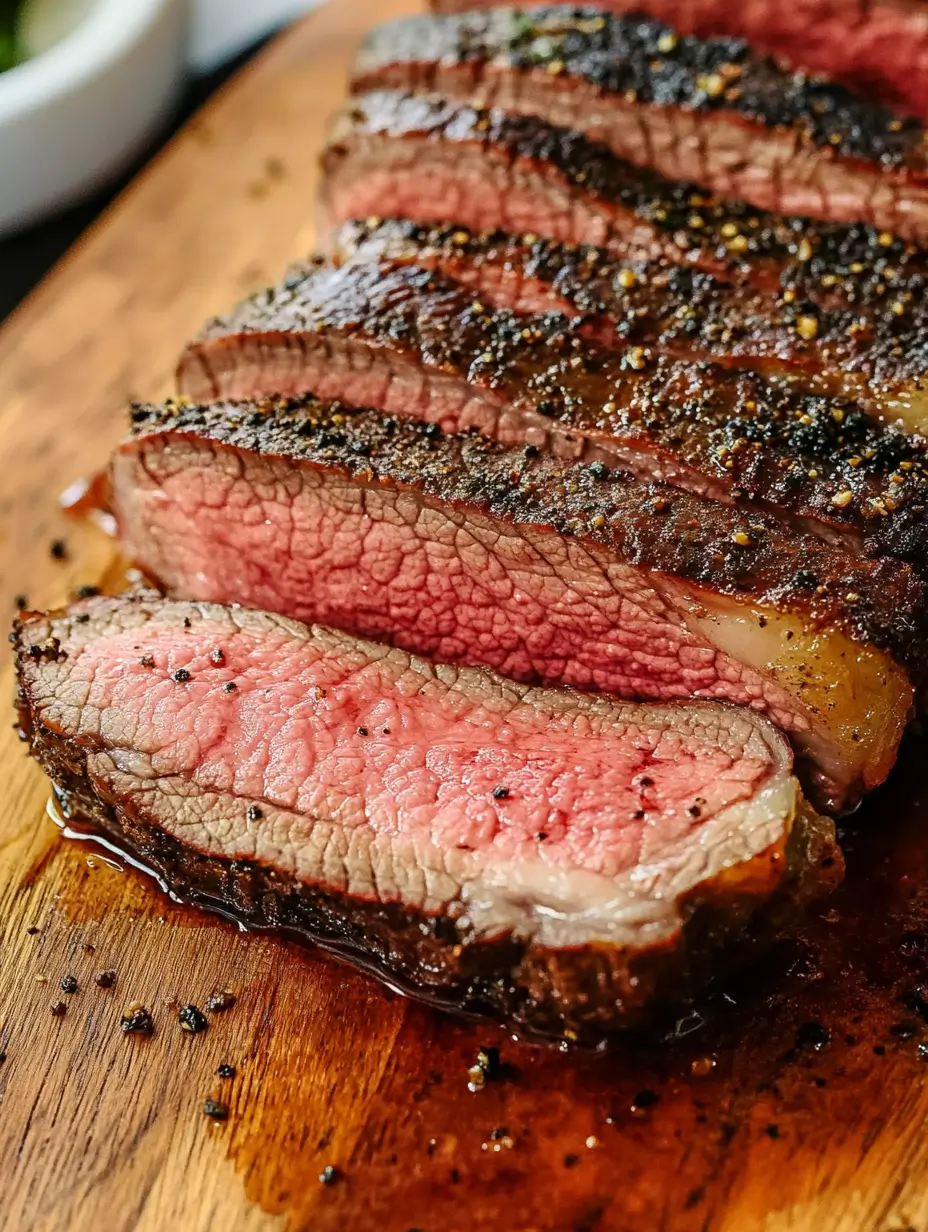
(27,256)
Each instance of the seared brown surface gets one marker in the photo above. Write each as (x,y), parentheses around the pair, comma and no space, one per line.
(870,352)
(878,47)
(703,110)
(617,53)
(688,538)
(755,1123)
(403,340)
(389,148)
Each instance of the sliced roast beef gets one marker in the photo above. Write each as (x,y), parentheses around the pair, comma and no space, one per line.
(710,111)
(877,46)
(402,340)
(466,551)
(436,161)
(874,352)
(568,862)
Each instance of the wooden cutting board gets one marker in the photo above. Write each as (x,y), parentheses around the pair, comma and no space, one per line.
(795,1100)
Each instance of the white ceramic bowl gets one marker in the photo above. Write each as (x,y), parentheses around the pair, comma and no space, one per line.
(74,115)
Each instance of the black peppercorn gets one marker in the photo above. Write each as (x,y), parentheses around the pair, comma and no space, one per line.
(645,1099)
(136,1020)
(813,1035)
(192,1019)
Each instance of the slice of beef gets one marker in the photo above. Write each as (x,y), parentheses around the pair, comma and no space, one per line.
(460,549)
(879,47)
(435,161)
(710,111)
(874,352)
(568,862)
(402,340)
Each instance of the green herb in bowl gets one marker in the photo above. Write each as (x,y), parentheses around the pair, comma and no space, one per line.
(30,27)
(10,49)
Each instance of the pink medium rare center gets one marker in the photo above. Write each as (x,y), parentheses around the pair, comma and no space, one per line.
(286,724)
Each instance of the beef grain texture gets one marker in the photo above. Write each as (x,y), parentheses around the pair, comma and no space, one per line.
(403,340)
(468,552)
(569,863)
(878,47)
(709,111)
(874,352)
(438,161)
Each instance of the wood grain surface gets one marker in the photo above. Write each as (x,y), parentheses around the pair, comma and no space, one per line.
(795,1099)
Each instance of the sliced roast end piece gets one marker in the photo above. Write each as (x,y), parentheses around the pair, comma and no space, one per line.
(568,863)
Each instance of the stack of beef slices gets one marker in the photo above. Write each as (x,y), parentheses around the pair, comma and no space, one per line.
(543,566)
(878,47)
(709,111)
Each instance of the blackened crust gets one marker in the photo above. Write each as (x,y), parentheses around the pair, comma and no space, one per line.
(721,548)
(800,456)
(581,994)
(876,47)
(728,238)
(633,56)
(876,351)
